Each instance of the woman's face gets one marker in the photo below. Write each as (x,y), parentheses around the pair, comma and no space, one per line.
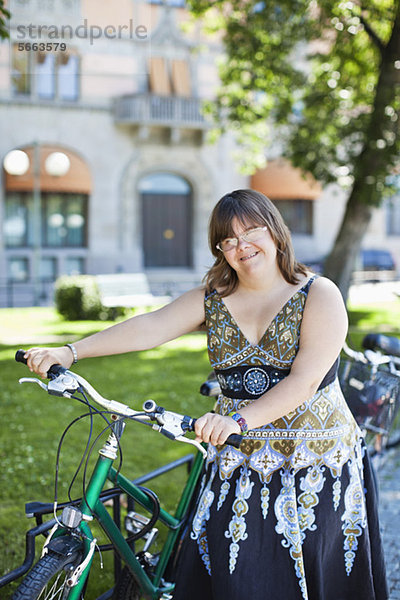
(251,257)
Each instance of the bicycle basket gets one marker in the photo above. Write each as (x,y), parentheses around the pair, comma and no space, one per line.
(370,394)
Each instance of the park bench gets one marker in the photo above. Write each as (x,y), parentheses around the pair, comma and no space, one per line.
(127,290)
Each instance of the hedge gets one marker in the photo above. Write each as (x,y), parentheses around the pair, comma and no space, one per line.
(77,298)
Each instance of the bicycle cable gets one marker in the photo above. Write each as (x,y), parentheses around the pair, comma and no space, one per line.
(92,410)
(109,425)
(155,511)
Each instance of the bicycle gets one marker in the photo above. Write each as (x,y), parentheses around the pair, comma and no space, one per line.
(370,381)
(67,555)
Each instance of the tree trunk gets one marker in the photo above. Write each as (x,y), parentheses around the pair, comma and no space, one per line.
(374,162)
(340,263)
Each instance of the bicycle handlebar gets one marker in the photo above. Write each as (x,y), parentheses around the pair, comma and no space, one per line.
(54,370)
(377,341)
(372,357)
(173,425)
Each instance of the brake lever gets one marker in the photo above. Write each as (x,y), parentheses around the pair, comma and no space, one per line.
(63,385)
(182,438)
(174,426)
(33,380)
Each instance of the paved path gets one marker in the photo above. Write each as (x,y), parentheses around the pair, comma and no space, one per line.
(386,291)
(389,508)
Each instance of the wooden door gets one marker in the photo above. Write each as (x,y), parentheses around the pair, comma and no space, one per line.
(167,229)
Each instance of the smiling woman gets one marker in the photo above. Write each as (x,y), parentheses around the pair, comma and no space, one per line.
(286,514)
(252,212)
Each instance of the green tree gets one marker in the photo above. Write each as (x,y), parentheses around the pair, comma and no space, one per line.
(326,73)
(4,16)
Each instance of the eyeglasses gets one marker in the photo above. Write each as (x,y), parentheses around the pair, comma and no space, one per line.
(252,235)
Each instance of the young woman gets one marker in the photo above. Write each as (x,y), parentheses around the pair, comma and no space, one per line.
(291,514)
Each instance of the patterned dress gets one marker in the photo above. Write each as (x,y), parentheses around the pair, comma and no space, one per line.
(291,515)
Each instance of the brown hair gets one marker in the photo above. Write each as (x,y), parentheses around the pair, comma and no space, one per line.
(248,206)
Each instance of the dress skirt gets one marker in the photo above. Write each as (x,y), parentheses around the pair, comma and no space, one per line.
(305,535)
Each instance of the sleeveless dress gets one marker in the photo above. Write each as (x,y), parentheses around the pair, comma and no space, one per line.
(292,513)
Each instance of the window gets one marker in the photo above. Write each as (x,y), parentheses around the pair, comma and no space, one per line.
(63,220)
(44,71)
(74,265)
(169,77)
(175,3)
(159,78)
(48,268)
(20,72)
(68,77)
(297,214)
(393,215)
(47,75)
(18,223)
(181,78)
(164,183)
(18,269)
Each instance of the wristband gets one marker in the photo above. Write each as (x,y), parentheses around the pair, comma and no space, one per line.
(74,353)
(241,421)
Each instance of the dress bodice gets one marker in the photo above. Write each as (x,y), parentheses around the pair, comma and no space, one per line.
(249,370)
(320,427)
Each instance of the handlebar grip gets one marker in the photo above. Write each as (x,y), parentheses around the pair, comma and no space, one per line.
(20,356)
(235,439)
(210,387)
(54,370)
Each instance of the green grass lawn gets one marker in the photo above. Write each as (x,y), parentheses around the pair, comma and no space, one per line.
(32,422)
(382,317)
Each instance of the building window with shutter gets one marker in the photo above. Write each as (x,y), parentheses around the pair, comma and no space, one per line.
(45,75)
(169,77)
(298,215)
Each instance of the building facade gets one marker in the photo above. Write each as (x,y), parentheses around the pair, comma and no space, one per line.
(114,89)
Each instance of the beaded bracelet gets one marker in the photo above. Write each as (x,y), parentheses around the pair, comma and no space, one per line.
(74,352)
(241,421)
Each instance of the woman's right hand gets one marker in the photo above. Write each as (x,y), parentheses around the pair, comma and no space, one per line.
(40,360)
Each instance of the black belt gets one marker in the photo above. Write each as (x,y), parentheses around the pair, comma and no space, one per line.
(253,381)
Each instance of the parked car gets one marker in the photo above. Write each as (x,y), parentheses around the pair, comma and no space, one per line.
(373,264)
(377,260)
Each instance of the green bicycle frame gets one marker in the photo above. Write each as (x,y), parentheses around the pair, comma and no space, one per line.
(92,506)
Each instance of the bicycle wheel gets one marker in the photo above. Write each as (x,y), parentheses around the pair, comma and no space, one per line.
(47,579)
(126,588)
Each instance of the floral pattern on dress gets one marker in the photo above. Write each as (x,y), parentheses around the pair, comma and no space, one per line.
(319,437)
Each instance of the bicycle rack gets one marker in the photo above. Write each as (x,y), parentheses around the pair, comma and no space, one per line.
(38,509)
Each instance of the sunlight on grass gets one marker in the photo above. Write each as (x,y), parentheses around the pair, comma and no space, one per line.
(383,317)
(42,322)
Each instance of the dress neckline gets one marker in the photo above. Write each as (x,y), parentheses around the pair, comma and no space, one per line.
(258,344)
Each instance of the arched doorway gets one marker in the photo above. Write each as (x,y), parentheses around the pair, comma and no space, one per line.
(166,201)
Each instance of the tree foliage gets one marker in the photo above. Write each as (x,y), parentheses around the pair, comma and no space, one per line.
(4,16)
(326,74)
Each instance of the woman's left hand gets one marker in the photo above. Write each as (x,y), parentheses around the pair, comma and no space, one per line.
(215,428)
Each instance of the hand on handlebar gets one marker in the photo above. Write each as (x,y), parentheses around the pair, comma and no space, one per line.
(215,428)
(40,360)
